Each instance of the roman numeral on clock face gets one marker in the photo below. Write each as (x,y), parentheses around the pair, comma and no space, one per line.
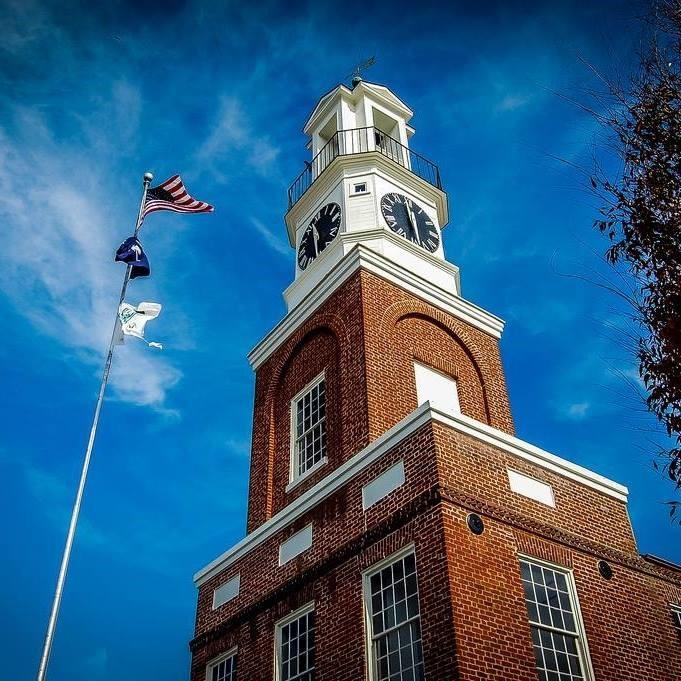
(320,232)
(406,218)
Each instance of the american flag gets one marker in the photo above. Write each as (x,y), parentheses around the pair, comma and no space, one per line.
(173,195)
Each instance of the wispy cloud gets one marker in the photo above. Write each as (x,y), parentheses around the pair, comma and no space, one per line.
(61,228)
(578,410)
(233,134)
(513,102)
(271,239)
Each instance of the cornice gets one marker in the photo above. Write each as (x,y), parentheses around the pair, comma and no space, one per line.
(378,163)
(528,452)
(362,257)
(345,241)
(316,494)
(378,448)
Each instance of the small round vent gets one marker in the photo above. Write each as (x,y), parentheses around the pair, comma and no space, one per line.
(475,524)
(604,569)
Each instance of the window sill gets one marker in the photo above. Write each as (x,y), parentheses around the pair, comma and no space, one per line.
(310,471)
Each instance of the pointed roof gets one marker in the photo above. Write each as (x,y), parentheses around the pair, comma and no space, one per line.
(379,92)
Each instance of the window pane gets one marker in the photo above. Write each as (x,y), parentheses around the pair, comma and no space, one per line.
(552,622)
(225,670)
(310,428)
(296,653)
(395,629)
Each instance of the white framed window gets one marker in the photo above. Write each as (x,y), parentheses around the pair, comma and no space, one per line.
(308,428)
(360,188)
(393,619)
(294,653)
(437,388)
(222,668)
(558,637)
(676,614)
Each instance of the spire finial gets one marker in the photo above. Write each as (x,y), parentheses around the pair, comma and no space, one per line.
(357,71)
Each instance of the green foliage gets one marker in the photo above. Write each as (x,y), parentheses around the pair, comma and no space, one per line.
(642,219)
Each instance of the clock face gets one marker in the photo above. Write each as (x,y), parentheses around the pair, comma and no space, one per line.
(321,231)
(406,218)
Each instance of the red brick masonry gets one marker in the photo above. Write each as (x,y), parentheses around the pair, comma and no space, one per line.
(473,616)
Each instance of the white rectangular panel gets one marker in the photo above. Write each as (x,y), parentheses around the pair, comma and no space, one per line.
(436,388)
(295,544)
(227,591)
(384,484)
(531,488)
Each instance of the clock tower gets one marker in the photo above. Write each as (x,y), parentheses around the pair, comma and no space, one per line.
(365,186)
(397,529)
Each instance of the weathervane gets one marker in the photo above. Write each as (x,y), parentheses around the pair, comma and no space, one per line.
(356,73)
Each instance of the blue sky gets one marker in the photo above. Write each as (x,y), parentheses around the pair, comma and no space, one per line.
(90,98)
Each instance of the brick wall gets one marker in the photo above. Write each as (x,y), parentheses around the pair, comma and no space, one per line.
(628,627)
(332,339)
(474,618)
(400,328)
(367,335)
(477,469)
(474,621)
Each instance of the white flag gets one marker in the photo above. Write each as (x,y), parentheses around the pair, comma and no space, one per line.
(134,319)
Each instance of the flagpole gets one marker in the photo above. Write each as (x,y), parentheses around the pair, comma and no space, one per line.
(66,556)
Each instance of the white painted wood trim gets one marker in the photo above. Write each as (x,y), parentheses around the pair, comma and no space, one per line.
(366,601)
(294,479)
(535,455)
(217,660)
(376,449)
(584,654)
(362,257)
(278,626)
(316,494)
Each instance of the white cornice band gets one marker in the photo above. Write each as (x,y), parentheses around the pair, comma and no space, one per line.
(365,258)
(376,449)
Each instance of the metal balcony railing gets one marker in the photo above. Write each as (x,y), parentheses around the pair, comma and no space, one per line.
(360,141)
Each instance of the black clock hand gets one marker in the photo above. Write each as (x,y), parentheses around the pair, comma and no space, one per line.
(315,240)
(412,223)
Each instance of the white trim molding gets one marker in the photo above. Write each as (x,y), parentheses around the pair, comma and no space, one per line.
(381,446)
(316,494)
(581,641)
(232,652)
(539,457)
(279,625)
(362,257)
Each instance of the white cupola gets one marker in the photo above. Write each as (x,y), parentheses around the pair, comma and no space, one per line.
(364,185)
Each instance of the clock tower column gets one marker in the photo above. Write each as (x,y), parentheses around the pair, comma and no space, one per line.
(397,530)
(372,302)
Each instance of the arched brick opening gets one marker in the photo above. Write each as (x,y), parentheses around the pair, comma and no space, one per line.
(480,350)
(327,331)
(426,340)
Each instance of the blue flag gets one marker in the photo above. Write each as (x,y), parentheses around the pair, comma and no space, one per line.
(131,252)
